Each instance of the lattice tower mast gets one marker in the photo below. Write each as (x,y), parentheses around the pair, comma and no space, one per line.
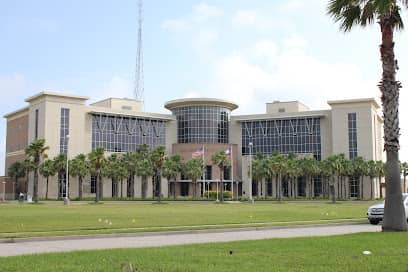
(139,77)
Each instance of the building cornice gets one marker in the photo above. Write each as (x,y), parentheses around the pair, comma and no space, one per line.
(17,113)
(302,114)
(60,95)
(200,101)
(355,101)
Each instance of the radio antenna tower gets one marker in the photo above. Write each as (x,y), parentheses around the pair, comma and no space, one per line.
(139,77)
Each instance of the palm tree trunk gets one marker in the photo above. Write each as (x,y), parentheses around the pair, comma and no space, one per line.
(372,189)
(97,187)
(80,187)
(121,188)
(46,190)
(222,189)
(144,183)
(394,213)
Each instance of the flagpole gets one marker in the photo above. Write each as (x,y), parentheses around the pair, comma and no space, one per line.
(232,174)
(204,172)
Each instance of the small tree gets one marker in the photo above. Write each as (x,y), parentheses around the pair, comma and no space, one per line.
(130,162)
(16,171)
(221,160)
(193,169)
(79,167)
(171,168)
(97,162)
(60,165)
(28,165)
(47,170)
(157,158)
(144,166)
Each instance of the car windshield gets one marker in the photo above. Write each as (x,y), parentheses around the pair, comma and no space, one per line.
(404,197)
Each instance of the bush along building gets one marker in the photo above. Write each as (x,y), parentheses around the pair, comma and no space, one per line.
(292,151)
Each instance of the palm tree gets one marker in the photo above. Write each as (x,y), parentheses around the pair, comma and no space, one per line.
(60,165)
(144,166)
(279,166)
(115,170)
(171,168)
(294,171)
(259,169)
(372,173)
(79,167)
(157,158)
(130,162)
(381,171)
(36,151)
(359,171)
(387,14)
(122,173)
(221,160)
(47,170)
(193,169)
(336,169)
(29,166)
(97,162)
(16,171)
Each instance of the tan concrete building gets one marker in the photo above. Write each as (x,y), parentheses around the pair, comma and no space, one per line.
(71,126)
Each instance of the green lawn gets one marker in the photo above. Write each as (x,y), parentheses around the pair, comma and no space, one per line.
(336,253)
(43,220)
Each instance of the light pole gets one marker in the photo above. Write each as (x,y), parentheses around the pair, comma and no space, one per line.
(250,200)
(4,191)
(66,199)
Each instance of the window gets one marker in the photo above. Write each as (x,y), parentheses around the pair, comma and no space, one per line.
(202,124)
(352,135)
(93,184)
(227,173)
(126,108)
(124,134)
(36,125)
(293,135)
(281,110)
(184,186)
(208,172)
(354,187)
(64,130)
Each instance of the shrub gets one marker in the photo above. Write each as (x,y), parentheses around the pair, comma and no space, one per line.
(213,194)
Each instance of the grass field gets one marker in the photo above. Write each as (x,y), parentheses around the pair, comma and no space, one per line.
(336,253)
(45,220)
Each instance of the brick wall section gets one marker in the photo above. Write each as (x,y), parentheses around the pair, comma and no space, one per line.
(185,150)
(17,134)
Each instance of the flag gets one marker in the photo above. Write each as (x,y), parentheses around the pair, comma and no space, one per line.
(198,153)
(228,152)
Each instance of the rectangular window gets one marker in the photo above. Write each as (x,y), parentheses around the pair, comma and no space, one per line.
(352,135)
(354,187)
(64,130)
(36,125)
(227,173)
(208,172)
(93,184)
(184,186)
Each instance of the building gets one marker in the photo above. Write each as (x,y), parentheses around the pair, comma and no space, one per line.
(71,126)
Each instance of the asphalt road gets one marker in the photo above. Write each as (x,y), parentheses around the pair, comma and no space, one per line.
(63,244)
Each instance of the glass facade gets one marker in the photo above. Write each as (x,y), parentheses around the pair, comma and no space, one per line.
(202,124)
(352,134)
(124,134)
(354,187)
(36,124)
(295,135)
(64,130)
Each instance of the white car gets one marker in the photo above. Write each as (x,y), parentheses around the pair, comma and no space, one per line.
(376,212)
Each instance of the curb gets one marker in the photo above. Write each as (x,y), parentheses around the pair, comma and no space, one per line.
(164,233)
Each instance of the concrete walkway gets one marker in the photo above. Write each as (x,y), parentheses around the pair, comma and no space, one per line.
(138,240)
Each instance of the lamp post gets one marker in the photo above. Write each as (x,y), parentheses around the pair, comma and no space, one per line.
(4,191)
(66,199)
(250,200)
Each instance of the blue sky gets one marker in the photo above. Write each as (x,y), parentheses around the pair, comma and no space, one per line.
(250,52)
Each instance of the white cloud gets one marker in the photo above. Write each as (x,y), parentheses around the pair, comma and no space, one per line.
(204,12)
(290,5)
(198,25)
(117,86)
(267,72)
(258,21)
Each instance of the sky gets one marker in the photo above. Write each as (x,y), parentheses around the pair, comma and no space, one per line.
(249,52)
